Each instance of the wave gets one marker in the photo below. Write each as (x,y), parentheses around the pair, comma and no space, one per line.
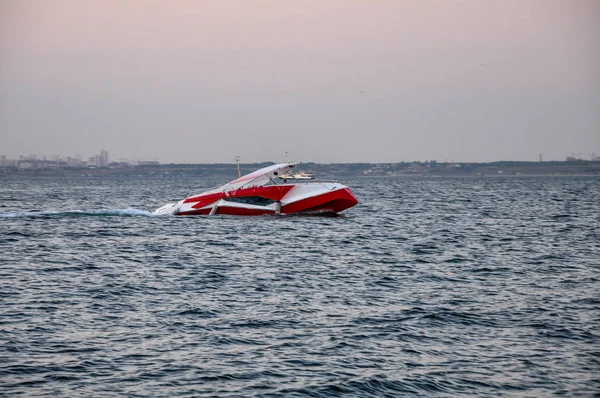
(79,213)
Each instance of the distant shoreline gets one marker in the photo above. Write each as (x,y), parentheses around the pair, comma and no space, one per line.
(331,170)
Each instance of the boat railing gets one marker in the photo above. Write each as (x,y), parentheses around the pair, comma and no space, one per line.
(307,181)
(294,181)
(197,192)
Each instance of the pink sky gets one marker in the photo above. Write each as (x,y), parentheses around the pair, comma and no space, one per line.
(373,80)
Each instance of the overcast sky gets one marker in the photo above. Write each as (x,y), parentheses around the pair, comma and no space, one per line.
(325,80)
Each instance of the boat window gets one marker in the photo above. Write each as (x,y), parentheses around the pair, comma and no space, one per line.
(252,200)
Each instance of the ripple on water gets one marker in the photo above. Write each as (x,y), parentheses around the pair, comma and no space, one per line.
(449,286)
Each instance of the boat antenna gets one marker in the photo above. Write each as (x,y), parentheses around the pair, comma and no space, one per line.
(237,160)
(287,158)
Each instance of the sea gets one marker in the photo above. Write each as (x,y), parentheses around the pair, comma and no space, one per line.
(450,286)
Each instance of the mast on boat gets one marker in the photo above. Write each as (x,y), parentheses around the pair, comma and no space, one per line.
(237,160)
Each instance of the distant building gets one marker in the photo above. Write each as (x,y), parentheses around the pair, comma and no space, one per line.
(103,159)
(94,161)
(73,162)
(27,164)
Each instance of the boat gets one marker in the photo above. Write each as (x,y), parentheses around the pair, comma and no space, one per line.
(301,175)
(262,193)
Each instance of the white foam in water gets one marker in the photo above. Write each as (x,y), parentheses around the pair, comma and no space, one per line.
(114,212)
(123,212)
(28,214)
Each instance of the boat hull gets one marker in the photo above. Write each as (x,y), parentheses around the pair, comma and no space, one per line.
(258,194)
(289,200)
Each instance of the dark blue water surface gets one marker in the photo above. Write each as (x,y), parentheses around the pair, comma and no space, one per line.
(429,287)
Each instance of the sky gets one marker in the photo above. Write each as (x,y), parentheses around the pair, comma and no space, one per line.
(326,81)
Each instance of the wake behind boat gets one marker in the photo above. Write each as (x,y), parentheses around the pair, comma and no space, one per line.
(262,193)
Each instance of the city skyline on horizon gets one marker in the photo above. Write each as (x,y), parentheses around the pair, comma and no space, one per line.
(56,157)
(580,155)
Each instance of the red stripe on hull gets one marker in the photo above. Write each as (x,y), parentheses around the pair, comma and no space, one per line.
(331,202)
(271,192)
(334,202)
(204,200)
(228,210)
(274,192)
(240,211)
(202,212)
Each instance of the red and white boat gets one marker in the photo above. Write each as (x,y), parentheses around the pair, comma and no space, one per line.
(263,192)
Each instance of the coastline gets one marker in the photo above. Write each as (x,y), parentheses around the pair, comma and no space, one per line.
(332,170)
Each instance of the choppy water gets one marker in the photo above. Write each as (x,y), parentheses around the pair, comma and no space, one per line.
(429,287)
